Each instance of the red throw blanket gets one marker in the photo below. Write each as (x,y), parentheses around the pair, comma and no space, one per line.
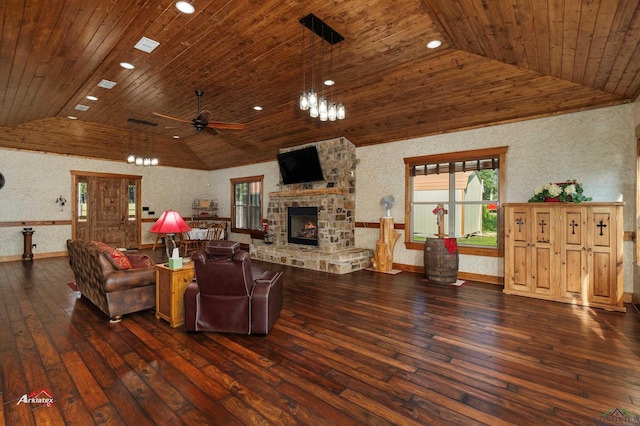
(451,244)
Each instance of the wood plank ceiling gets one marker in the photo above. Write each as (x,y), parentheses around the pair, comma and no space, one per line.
(500,61)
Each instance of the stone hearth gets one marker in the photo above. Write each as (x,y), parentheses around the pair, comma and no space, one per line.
(336,252)
(341,262)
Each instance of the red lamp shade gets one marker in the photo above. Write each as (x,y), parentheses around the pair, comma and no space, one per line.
(170,223)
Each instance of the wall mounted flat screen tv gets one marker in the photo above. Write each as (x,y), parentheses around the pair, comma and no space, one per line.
(301,165)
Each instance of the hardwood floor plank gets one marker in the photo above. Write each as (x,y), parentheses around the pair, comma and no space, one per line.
(309,409)
(14,385)
(246,415)
(148,400)
(210,387)
(347,407)
(88,388)
(31,362)
(67,397)
(383,410)
(126,406)
(249,390)
(363,348)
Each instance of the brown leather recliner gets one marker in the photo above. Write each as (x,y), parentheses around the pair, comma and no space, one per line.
(227,295)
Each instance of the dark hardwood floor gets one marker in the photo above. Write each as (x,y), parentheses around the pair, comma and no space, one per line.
(363,348)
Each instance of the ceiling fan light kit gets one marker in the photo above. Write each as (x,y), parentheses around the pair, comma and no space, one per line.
(323,107)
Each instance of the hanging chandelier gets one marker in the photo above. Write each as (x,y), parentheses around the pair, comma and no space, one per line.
(320,104)
(141,159)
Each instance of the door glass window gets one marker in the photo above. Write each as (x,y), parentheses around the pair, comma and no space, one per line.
(82,201)
(132,201)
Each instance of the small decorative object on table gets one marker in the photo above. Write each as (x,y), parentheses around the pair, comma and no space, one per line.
(564,192)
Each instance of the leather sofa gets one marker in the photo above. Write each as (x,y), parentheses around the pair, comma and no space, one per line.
(229,295)
(117,283)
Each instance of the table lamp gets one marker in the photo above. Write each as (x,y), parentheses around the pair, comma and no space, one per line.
(169,223)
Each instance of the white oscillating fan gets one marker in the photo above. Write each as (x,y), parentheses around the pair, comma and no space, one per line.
(386,203)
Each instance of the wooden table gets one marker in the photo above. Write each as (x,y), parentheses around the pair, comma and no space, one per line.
(170,286)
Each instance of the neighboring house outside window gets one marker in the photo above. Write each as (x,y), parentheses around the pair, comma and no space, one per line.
(246,204)
(467,187)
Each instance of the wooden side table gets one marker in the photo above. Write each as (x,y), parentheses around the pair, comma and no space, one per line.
(170,286)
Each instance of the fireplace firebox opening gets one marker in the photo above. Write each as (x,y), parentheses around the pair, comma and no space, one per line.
(302,225)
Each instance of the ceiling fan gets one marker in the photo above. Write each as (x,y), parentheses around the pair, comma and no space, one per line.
(203,120)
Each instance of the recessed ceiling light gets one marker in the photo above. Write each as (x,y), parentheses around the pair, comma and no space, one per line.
(185,7)
(434,43)
(72,117)
(92,98)
(176,137)
(329,82)
(257,108)
(81,107)
(106,84)
(126,65)
(146,44)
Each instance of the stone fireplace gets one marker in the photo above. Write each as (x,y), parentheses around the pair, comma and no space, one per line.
(333,201)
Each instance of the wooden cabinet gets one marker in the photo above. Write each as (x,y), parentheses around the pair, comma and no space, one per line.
(565,252)
(170,286)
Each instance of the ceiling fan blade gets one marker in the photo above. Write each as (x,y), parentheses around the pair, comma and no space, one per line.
(203,121)
(170,117)
(225,126)
(211,131)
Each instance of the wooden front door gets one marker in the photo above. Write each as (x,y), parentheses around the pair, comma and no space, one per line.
(107,209)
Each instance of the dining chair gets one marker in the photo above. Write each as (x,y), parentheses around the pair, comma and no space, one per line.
(187,244)
(215,231)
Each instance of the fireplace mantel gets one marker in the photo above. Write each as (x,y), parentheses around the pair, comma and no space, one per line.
(308,192)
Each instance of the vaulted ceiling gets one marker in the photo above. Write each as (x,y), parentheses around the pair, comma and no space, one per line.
(500,61)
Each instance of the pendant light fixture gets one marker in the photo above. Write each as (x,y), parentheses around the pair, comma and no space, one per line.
(319,106)
(145,157)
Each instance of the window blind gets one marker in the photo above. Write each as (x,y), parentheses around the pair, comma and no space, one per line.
(456,166)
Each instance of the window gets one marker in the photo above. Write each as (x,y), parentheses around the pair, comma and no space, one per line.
(456,195)
(132,201)
(246,204)
(82,201)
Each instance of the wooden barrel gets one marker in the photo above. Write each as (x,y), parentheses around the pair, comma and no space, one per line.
(440,266)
